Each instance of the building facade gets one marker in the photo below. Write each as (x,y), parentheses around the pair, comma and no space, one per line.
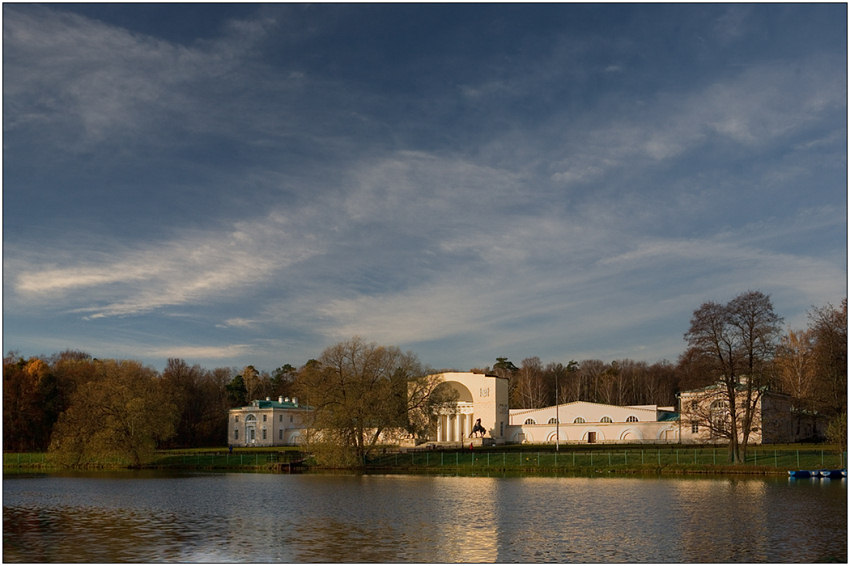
(706,417)
(583,422)
(268,423)
(478,396)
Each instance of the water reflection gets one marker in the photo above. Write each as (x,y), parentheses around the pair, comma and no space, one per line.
(271,518)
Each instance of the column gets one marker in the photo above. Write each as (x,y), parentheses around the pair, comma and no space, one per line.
(458,437)
(439,427)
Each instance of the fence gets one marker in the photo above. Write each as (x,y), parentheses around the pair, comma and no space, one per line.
(634,458)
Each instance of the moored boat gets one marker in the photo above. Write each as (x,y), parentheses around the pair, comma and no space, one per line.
(802,473)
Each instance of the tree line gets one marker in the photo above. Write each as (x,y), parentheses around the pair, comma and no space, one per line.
(80,407)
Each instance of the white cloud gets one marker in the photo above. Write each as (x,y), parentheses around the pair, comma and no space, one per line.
(758,106)
(191,268)
(200,352)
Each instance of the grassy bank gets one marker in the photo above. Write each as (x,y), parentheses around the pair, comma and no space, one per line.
(282,459)
(578,460)
(625,459)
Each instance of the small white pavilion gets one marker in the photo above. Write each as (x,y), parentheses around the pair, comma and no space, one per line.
(479,396)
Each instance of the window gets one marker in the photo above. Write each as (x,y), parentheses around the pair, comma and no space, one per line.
(579,420)
(530,421)
(290,418)
(606,420)
(235,434)
(631,419)
(264,418)
(280,434)
(694,428)
(280,419)
(553,420)
(719,412)
(264,434)
(236,418)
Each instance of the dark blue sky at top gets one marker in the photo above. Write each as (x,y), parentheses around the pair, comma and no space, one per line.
(510,179)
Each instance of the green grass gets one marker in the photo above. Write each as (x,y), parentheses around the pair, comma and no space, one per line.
(248,459)
(613,459)
(578,459)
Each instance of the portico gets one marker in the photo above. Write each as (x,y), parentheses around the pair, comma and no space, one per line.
(474,396)
(455,424)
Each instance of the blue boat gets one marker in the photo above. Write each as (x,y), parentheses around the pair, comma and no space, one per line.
(802,473)
(831,473)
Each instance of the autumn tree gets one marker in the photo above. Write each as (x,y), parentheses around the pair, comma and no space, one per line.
(283,380)
(828,326)
(199,396)
(736,343)
(30,403)
(237,394)
(252,381)
(359,391)
(795,367)
(124,411)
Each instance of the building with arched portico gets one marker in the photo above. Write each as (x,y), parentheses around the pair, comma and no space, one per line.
(475,396)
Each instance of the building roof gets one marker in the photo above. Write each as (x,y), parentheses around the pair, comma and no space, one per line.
(668,416)
(740,386)
(269,404)
(572,404)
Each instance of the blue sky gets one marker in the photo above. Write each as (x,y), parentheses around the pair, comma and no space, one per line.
(249,184)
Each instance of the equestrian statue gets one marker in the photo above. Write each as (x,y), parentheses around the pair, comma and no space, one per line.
(478,429)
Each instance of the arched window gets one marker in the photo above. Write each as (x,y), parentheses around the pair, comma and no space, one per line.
(250,418)
(579,420)
(553,420)
(530,421)
(631,419)
(606,420)
(719,411)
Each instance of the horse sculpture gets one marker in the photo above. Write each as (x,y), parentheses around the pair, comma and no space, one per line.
(478,429)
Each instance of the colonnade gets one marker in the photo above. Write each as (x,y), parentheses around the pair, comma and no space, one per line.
(457,425)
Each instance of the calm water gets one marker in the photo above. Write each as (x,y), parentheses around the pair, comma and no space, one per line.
(339,518)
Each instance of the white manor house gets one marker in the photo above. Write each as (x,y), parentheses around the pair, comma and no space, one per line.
(485,397)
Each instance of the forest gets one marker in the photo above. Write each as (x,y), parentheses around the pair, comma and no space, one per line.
(77,405)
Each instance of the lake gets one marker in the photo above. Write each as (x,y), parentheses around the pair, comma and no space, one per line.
(154,517)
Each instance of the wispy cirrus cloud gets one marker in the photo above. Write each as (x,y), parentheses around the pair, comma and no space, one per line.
(190,268)
(294,176)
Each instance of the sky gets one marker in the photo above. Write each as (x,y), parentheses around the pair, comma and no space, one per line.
(237,184)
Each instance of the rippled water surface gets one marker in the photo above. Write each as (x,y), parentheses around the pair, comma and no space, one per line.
(339,518)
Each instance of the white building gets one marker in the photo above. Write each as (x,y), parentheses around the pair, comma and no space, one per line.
(485,397)
(584,422)
(706,416)
(268,423)
(478,396)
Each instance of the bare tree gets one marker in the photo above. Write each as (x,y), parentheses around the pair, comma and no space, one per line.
(795,366)
(829,333)
(736,341)
(530,389)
